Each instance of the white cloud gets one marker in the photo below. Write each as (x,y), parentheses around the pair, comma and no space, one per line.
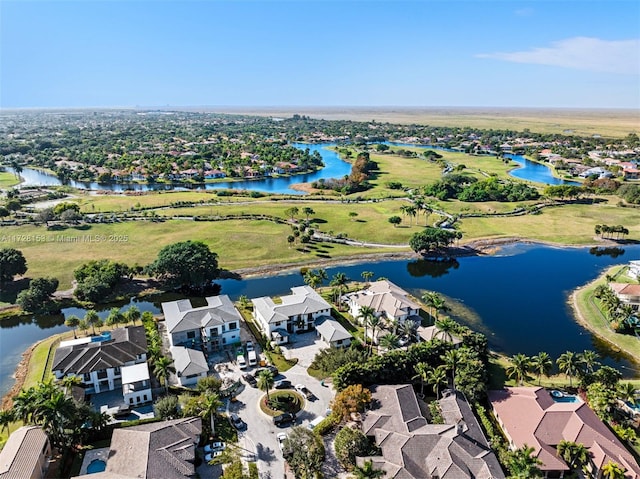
(582,53)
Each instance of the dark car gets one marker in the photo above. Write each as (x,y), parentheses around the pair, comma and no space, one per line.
(250,380)
(284,418)
(237,422)
(283,384)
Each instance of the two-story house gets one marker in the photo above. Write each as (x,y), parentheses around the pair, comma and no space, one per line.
(98,360)
(295,313)
(209,327)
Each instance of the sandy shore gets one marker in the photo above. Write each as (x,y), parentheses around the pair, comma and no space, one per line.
(20,375)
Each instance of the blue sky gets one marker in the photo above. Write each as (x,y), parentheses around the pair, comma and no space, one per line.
(505,53)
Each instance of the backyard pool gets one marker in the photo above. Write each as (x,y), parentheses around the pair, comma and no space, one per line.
(97,465)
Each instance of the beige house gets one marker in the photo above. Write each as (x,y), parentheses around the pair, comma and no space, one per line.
(628,293)
(26,454)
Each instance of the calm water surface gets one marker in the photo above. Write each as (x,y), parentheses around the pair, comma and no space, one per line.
(518,297)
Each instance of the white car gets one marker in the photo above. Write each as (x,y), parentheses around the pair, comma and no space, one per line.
(210,456)
(242,363)
(216,446)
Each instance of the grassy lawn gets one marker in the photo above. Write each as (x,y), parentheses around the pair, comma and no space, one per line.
(7,180)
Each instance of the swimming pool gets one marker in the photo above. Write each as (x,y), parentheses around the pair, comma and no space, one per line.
(97,465)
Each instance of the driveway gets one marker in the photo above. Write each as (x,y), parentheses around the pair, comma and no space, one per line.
(303,346)
(258,442)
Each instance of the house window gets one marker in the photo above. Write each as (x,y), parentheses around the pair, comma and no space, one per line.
(87,377)
(191,334)
(233,326)
(145,397)
(214,331)
(130,400)
(339,341)
(224,340)
(116,370)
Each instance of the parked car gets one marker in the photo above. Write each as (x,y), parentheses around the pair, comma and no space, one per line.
(237,422)
(302,389)
(249,346)
(215,446)
(284,418)
(312,425)
(253,359)
(282,384)
(211,455)
(242,363)
(250,380)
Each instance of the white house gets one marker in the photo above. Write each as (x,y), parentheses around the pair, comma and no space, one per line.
(390,302)
(212,326)
(634,270)
(136,384)
(190,365)
(332,332)
(98,360)
(26,454)
(296,313)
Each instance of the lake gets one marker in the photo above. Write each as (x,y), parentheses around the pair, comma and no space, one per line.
(334,168)
(518,298)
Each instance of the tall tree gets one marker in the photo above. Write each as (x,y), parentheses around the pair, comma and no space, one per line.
(364,315)
(436,378)
(541,364)
(265,381)
(523,464)
(162,368)
(12,263)
(519,368)
(209,404)
(6,419)
(422,371)
(452,359)
(367,471)
(92,319)
(307,452)
(133,314)
(569,364)
(72,321)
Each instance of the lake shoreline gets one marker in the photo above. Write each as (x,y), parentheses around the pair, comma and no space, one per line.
(487,246)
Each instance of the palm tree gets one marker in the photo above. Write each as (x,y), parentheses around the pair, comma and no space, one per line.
(364,315)
(115,317)
(366,275)
(613,470)
(437,377)
(452,359)
(162,368)
(541,364)
(409,328)
(6,418)
(627,392)
(440,305)
(265,381)
(209,405)
(519,368)
(68,382)
(133,314)
(367,471)
(389,341)
(93,320)
(576,455)
(569,364)
(523,464)
(72,321)
(308,212)
(422,371)
(445,327)
(374,322)
(589,360)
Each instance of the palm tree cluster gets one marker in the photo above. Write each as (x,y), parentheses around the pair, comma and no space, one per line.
(49,406)
(315,277)
(570,363)
(622,317)
(576,455)
(608,231)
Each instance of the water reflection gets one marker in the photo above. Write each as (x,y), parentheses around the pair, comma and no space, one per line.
(435,269)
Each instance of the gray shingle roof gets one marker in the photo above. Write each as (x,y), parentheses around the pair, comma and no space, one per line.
(331,330)
(303,300)
(21,453)
(182,316)
(123,347)
(412,448)
(188,361)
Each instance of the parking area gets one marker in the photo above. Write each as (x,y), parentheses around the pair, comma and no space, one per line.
(304,347)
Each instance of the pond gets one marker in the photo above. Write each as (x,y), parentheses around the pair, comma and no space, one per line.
(518,298)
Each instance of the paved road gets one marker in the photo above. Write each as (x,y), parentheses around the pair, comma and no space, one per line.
(259,442)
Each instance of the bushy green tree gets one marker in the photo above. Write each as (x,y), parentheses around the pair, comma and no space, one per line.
(36,298)
(349,444)
(307,452)
(188,264)
(12,263)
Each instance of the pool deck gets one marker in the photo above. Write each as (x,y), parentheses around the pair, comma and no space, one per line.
(91,455)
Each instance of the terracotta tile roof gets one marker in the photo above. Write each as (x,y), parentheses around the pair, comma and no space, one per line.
(531,416)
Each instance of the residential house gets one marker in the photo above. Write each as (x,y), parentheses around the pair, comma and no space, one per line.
(98,360)
(433,332)
(390,303)
(531,416)
(628,293)
(165,449)
(413,448)
(634,269)
(26,454)
(210,327)
(332,332)
(295,313)
(136,384)
(190,365)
